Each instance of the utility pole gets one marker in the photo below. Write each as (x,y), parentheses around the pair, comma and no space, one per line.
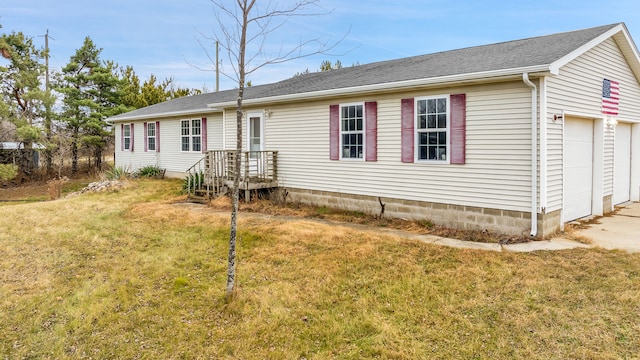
(46,49)
(217,68)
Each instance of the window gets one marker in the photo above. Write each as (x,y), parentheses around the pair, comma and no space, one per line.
(195,135)
(186,129)
(432,128)
(126,137)
(151,136)
(191,135)
(352,131)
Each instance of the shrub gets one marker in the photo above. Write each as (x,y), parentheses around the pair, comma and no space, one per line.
(196,180)
(148,171)
(8,172)
(117,173)
(54,187)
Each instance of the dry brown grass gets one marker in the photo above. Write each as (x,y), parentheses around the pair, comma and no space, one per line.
(572,232)
(135,274)
(424,227)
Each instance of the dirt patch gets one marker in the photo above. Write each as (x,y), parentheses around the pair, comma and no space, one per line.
(35,191)
(39,190)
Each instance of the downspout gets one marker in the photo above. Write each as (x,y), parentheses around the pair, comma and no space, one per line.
(543,145)
(534,153)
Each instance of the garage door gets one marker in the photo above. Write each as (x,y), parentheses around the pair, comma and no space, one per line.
(578,168)
(622,164)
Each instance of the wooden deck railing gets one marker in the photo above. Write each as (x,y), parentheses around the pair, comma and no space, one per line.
(214,173)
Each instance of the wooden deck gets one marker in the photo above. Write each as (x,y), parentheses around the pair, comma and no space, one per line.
(213,175)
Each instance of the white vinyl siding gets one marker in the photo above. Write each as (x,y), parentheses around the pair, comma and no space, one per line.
(622,164)
(497,173)
(578,89)
(171,156)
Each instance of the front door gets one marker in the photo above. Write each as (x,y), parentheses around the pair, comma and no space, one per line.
(254,134)
(255,142)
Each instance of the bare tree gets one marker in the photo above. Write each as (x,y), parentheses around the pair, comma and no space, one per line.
(245,26)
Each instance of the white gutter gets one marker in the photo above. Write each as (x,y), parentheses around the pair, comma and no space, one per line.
(534,153)
(206,110)
(441,80)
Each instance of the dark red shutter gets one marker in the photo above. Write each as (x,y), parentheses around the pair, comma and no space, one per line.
(371,116)
(157,136)
(458,128)
(334,132)
(203,132)
(121,137)
(408,133)
(131,142)
(146,137)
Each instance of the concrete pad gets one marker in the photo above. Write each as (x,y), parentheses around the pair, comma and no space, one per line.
(629,209)
(553,244)
(618,231)
(461,244)
(615,232)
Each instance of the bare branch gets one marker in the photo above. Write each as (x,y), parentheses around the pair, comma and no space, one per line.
(261,23)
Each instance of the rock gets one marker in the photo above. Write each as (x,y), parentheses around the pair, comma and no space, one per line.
(101,186)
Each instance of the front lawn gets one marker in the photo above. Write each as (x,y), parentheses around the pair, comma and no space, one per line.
(131,274)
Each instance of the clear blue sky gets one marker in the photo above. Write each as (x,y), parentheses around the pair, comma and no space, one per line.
(161,36)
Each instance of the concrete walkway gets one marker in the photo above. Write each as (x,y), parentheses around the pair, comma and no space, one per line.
(552,244)
(618,231)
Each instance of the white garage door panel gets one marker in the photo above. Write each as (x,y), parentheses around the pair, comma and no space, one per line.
(622,164)
(578,168)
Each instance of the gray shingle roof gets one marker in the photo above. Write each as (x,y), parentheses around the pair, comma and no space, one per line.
(517,54)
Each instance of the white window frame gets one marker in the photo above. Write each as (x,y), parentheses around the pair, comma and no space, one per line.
(363,131)
(190,134)
(151,125)
(418,131)
(125,137)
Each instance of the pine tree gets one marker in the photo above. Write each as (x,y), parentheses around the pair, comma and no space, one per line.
(91,92)
(23,100)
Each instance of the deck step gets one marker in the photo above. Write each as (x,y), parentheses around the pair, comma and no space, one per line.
(198,199)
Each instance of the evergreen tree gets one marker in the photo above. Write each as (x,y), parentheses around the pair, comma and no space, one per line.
(91,92)
(23,100)
(105,93)
(151,92)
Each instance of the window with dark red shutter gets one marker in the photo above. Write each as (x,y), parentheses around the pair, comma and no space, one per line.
(371,128)
(157,136)
(334,132)
(204,135)
(407,134)
(458,128)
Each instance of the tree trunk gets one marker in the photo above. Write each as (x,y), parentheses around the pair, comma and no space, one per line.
(74,156)
(231,271)
(97,153)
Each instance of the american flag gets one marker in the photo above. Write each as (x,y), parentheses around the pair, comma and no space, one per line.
(610,97)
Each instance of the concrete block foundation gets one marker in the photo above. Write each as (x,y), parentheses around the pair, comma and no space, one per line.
(455,216)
